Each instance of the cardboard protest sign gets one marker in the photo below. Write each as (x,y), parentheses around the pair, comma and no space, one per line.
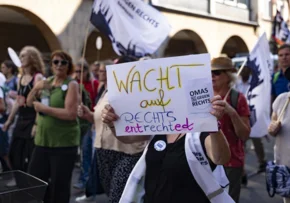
(162,96)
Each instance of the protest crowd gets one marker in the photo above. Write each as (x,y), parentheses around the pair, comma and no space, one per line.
(53,123)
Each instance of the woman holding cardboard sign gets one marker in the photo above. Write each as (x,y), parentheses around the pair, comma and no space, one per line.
(178,167)
(115,159)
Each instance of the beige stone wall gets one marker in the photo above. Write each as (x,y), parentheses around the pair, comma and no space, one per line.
(213,33)
(92,54)
(18,32)
(63,24)
(77,30)
(55,13)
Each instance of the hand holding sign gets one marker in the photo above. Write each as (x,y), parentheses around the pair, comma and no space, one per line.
(218,107)
(109,116)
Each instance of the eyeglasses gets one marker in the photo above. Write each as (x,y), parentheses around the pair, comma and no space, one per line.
(78,71)
(60,62)
(216,72)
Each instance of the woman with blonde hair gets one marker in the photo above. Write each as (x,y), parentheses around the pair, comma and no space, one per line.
(22,138)
(115,159)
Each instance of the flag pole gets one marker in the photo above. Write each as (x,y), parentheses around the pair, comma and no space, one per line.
(98,55)
(83,59)
(239,72)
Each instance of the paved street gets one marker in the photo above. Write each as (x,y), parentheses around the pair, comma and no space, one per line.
(255,191)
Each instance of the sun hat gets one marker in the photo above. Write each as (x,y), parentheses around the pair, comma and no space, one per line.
(222,63)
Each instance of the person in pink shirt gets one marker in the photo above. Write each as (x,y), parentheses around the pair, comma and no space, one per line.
(89,82)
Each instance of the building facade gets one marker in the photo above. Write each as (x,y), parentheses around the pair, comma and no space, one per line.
(198,26)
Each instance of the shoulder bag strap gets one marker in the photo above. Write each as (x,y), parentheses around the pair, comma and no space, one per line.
(204,178)
(234,96)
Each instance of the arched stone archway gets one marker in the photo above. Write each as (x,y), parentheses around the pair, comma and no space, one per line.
(106,52)
(233,46)
(185,42)
(20,27)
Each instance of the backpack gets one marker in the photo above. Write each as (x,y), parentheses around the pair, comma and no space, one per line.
(276,77)
(86,100)
(234,96)
(277,179)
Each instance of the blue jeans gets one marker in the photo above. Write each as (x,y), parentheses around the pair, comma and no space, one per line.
(86,155)
(93,186)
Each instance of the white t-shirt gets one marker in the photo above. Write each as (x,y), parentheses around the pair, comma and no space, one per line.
(1,93)
(2,79)
(282,142)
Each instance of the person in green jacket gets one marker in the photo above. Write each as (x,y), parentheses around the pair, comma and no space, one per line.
(58,132)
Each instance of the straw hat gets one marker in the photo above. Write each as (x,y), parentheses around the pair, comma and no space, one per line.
(222,63)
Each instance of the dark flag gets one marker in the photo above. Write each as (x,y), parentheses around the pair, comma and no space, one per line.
(280,33)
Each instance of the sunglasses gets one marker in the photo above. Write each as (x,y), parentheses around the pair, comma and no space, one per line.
(78,71)
(60,62)
(216,72)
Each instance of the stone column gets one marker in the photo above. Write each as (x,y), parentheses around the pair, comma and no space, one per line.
(73,37)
